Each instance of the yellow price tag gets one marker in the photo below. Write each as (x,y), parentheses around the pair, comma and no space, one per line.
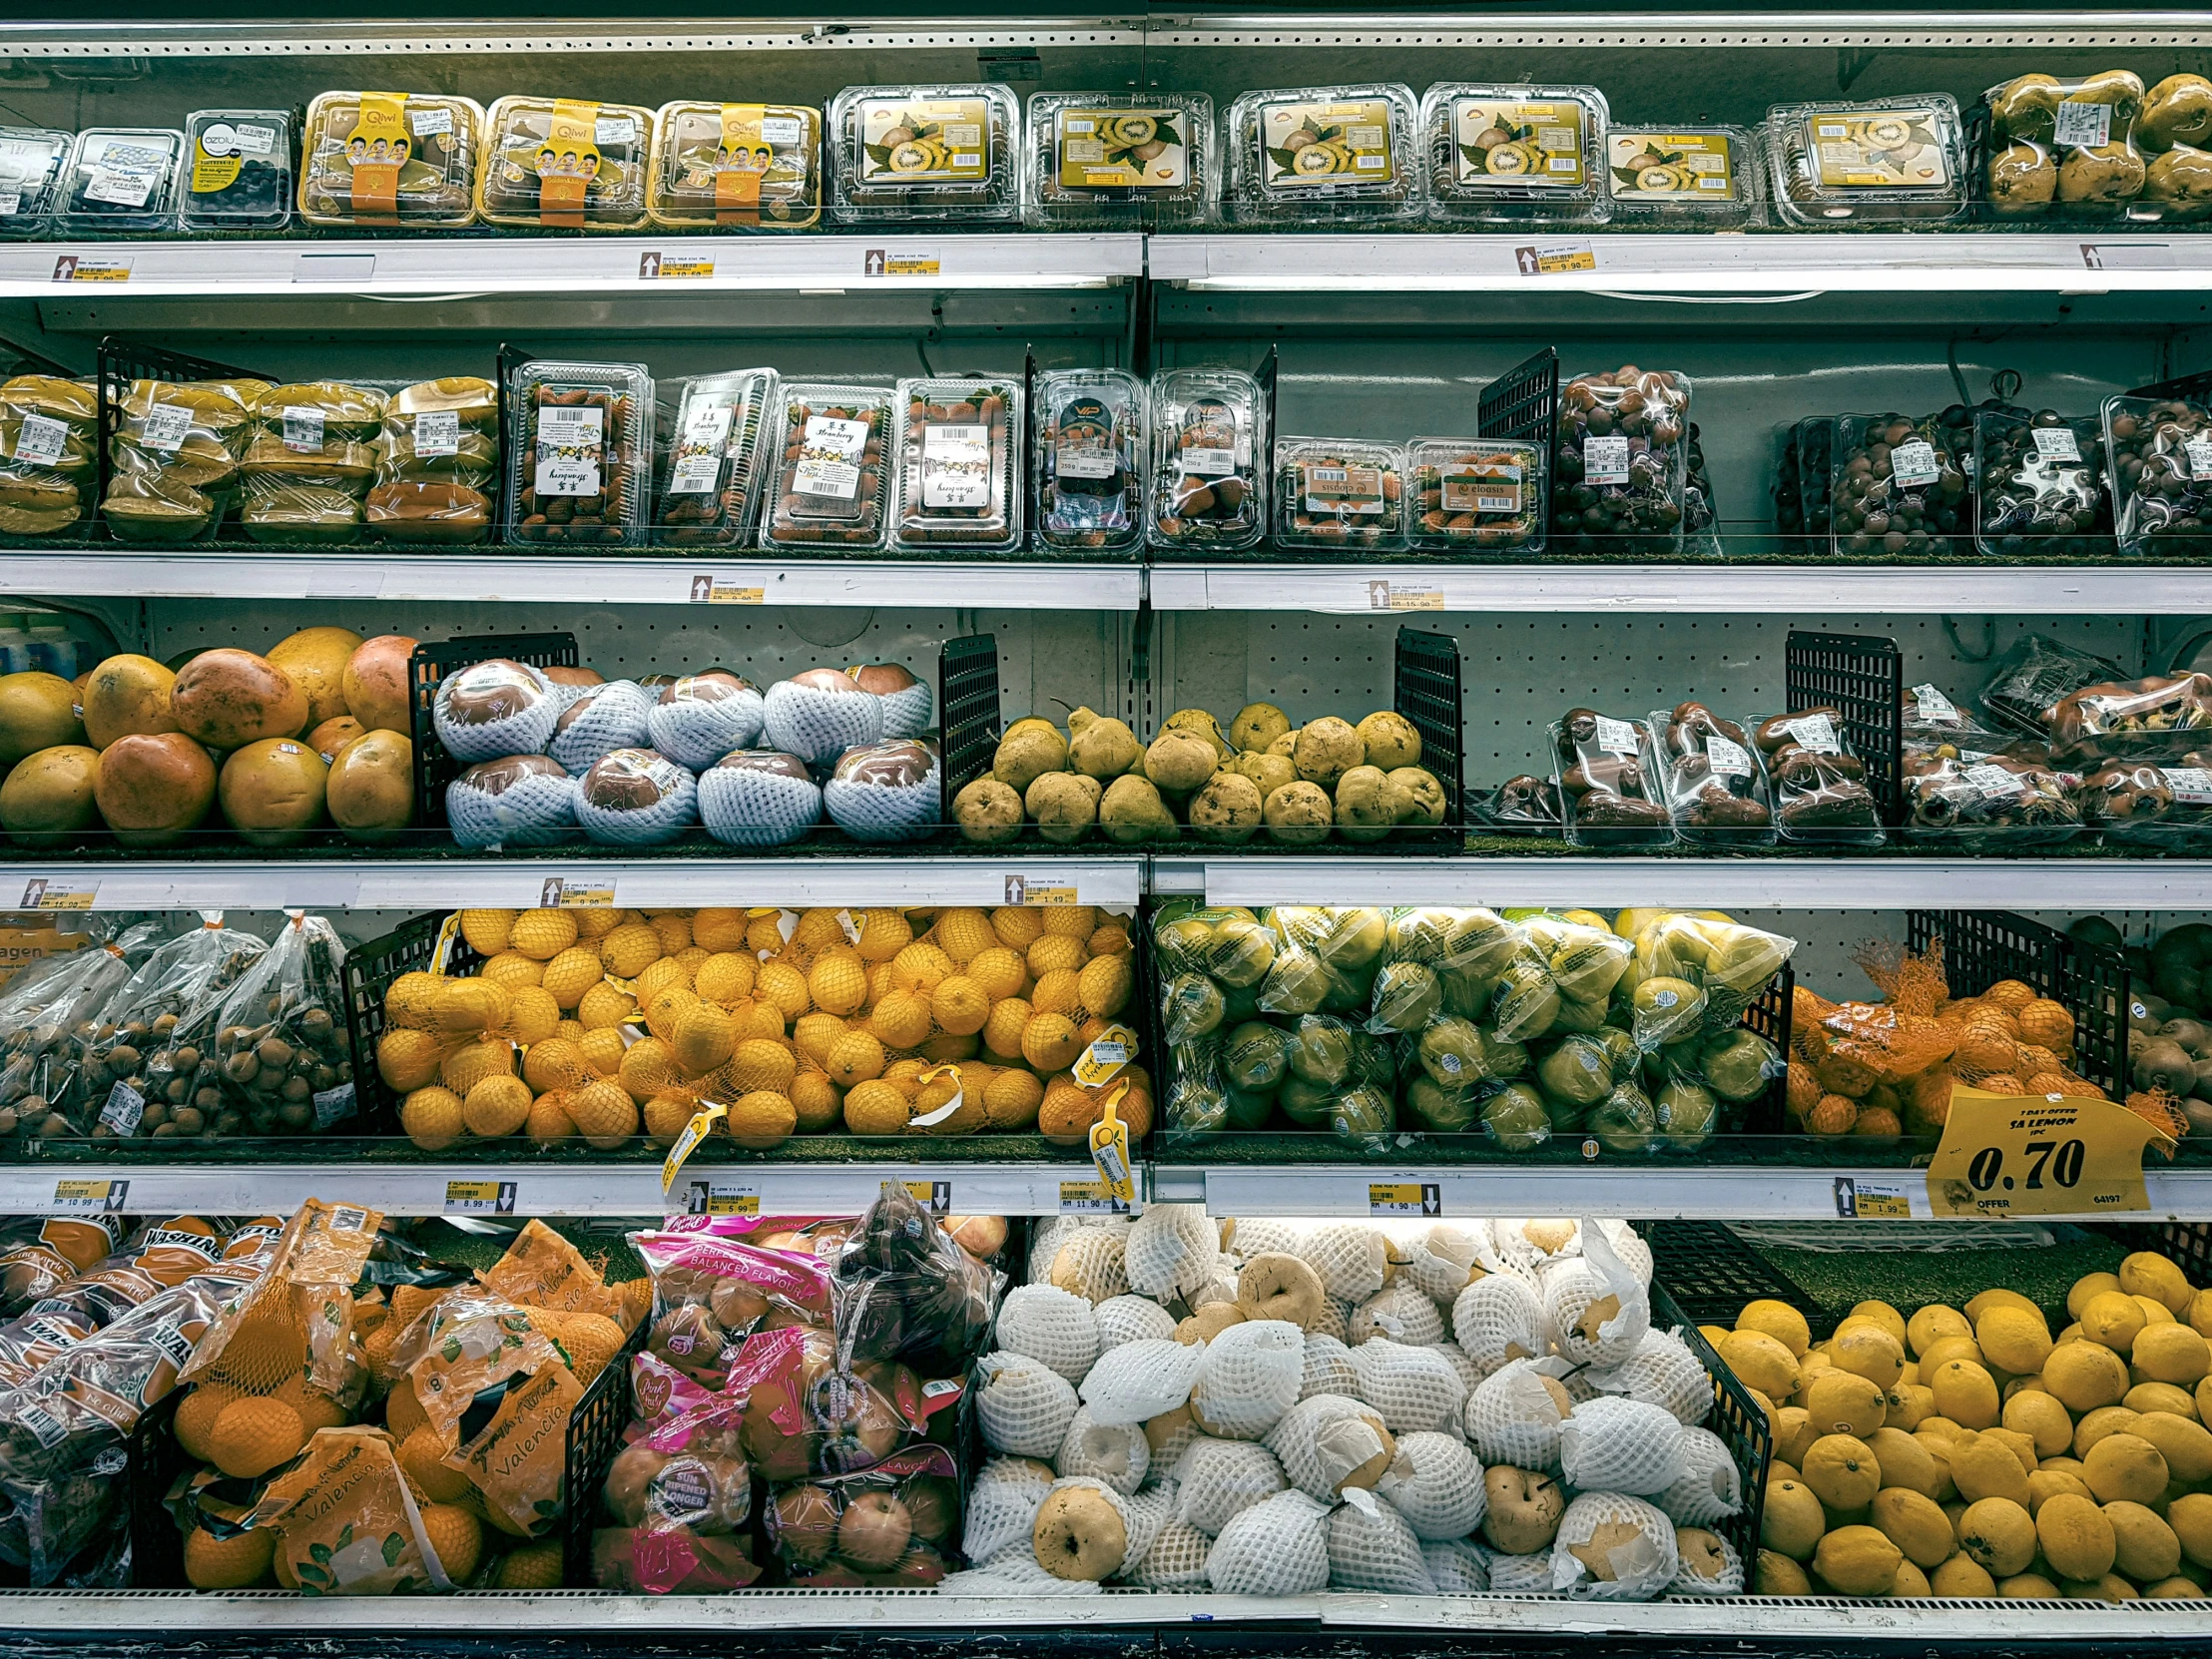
(90,1195)
(701,1126)
(39,893)
(933,1196)
(576,892)
(442,952)
(716,1198)
(1405,1198)
(480,1198)
(1859,1198)
(1109,1051)
(1110,1150)
(1089,1197)
(2039,1155)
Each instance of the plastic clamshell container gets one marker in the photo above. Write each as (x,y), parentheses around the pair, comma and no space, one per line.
(1707,176)
(1525,153)
(1487,494)
(1712,781)
(390,160)
(959,464)
(1329,156)
(745,167)
(2067,149)
(122,178)
(566,164)
(2160,451)
(32,162)
(1621,464)
(830,466)
(1209,489)
(1901,486)
(1883,161)
(237,172)
(1088,449)
(2038,484)
(1339,494)
(712,457)
(921,153)
(583,446)
(1105,157)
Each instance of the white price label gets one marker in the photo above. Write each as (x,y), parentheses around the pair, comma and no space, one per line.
(332,1105)
(1912,464)
(1617,737)
(304,430)
(481,1197)
(122,188)
(1209,463)
(2192,786)
(2056,444)
(11,202)
(1090,1198)
(124,1108)
(41,439)
(1084,461)
(2198,452)
(1814,732)
(437,432)
(614,129)
(577,892)
(255,140)
(2083,125)
(1859,1198)
(42,893)
(570,436)
(429,122)
(1726,757)
(166,427)
(1992,781)
(1405,1198)
(1934,705)
(1605,460)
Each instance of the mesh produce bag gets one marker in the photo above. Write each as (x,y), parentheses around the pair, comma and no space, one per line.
(1661,1371)
(1335,1321)
(1141,1380)
(1612,1547)
(1523,1244)
(1248,1377)
(1175,1561)
(1014,1572)
(1023,1405)
(1002,1506)
(1352,1260)
(1130,1318)
(1402,1311)
(1437,1484)
(1328,1368)
(1513,1418)
(1616,1444)
(1171,1248)
(1264,1235)
(1117,1456)
(1597,1311)
(1469,1373)
(1706,1565)
(1274,1286)
(1497,1320)
(1067,1552)
(1053,1327)
(1169,1435)
(1216,1479)
(1630,1248)
(1330,1441)
(1457,1567)
(1278,1548)
(1044,1244)
(1710,1487)
(1414,1388)
(1370,1547)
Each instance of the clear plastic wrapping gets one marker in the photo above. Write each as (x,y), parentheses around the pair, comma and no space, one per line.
(1482,493)
(830,479)
(564,163)
(1515,152)
(2039,484)
(1881,161)
(46,1013)
(1208,434)
(173,460)
(2011,800)
(1339,494)
(122,178)
(2159,804)
(1619,467)
(960,466)
(278,1060)
(2036,673)
(1106,158)
(237,171)
(2067,146)
(2161,473)
(391,158)
(713,453)
(309,462)
(1606,772)
(925,153)
(136,1035)
(2159,717)
(1523,805)
(583,446)
(1088,457)
(32,162)
(1686,176)
(1710,777)
(1901,486)
(754,167)
(2174,133)
(1325,156)
(1817,785)
(437,454)
(895,1526)
(49,438)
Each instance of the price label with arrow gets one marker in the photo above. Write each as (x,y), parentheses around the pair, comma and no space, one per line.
(2039,1155)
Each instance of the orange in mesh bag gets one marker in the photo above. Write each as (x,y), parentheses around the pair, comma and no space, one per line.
(543,1269)
(300,1314)
(345,1521)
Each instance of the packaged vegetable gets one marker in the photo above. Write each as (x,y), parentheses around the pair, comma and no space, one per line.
(1515,152)
(960,465)
(1819,785)
(583,450)
(2039,484)
(121,178)
(2161,716)
(565,164)
(716,459)
(2007,801)
(1881,161)
(2034,676)
(1088,440)
(2157,803)
(1524,806)
(391,158)
(1483,493)
(237,172)
(1107,158)
(1207,433)
(1901,486)
(1710,776)
(830,476)
(135,1035)
(48,1012)
(925,153)
(1324,156)
(1605,772)
(752,167)
(1339,494)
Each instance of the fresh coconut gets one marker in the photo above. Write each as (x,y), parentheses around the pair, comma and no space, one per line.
(515,801)
(606,716)
(820,713)
(885,792)
(636,797)
(697,719)
(906,700)
(759,797)
(493,709)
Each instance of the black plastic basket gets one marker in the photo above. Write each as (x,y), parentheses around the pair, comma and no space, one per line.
(1426,689)
(1711,1273)
(1522,405)
(120,361)
(2089,980)
(2189,1243)
(370,971)
(1768,1017)
(967,712)
(433,766)
(594,1437)
(1862,676)
(156,1460)
(1737,1419)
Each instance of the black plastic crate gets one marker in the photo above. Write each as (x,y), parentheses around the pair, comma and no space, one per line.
(1737,1419)
(1523,404)
(2089,980)
(594,1437)
(1862,676)
(1711,1273)
(1426,689)
(433,766)
(117,363)
(2189,1243)
(1768,1017)
(370,971)
(156,1460)
(967,712)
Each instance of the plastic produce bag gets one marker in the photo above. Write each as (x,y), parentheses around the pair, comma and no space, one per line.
(2064,149)
(1597,1307)
(892,1526)
(2151,804)
(137,1032)
(1606,772)
(43,1017)
(347,1522)
(2160,716)
(809,1413)
(1710,776)
(2008,801)
(710,1293)
(1521,805)
(2033,677)
(906,1291)
(2039,484)
(279,1059)
(1819,785)
(1618,470)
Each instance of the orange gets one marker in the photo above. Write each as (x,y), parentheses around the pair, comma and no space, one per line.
(603,1113)
(1833,1114)
(196,1415)
(432,1118)
(532,1568)
(1054,951)
(487,931)
(1001,973)
(959,1005)
(250,1437)
(837,981)
(1877,1121)
(317,1411)
(456,1538)
(901,1019)
(497,1106)
(1049,1041)
(855,1057)
(238,1562)
(422,1461)
(1802,1089)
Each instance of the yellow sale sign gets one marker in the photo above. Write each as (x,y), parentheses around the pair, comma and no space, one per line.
(2039,1155)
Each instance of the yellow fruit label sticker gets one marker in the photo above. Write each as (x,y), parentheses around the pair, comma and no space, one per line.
(1305,144)
(1112,1050)
(1895,149)
(442,952)
(933,141)
(1405,1198)
(1698,165)
(1123,149)
(1110,1149)
(376,149)
(701,1126)
(1528,146)
(2039,1155)
(480,1198)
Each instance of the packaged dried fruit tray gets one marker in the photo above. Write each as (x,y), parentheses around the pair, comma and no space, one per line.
(830,477)
(752,167)
(1329,156)
(567,164)
(1524,153)
(1878,162)
(959,465)
(1484,493)
(1339,494)
(1658,176)
(1102,157)
(925,153)
(437,455)
(391,158)
(1089,458)
(581,450)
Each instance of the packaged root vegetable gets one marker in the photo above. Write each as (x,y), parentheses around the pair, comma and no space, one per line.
(1819,787)
(564,163)
(1207,433)
(754,167)
(1709,773)
(1876,162)
(583,441)
(1339,494)
(1324,156)
(137,1032)
(1475,492)
(2162,715)
(1099,158)
(1088,439)
(2151,803)
(1523,805)
(1619,464)
(959,465)
(2161,460)
(2065,149)
(893,1526)
(829,481)
(1605,770)
(1990,802)
(2039,484)
(1515,152)
(925,153)
(2033,677)
(717,456)
(391,158)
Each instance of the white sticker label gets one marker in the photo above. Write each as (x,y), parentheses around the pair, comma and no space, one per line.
(699,451)
(614,129)
(303,431)
(333,1104)
(722,1198)
(781,130)
(1992,781)
(11,202)
(830,458)
(1814,732)
(569,439)
(429,122)
(481,1197)
(1617,737)
(2199,453)
(437,432)
(1209,463)
(2056,444)
(124,1108)
(1605,460)
(955,465)
(71,1196)
(1914,464)
(123,188)
(255,140)
(1934,705)
(1726,757)
(1082,460)
(2192,786)
(40,439)
(165,427)
(2083,125)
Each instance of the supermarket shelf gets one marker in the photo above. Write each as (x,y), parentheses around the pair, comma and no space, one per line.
(525,1187)
(605,266)
(525,578)
(2112,589)
(151,882)
(1838,884)
(1609,1187)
